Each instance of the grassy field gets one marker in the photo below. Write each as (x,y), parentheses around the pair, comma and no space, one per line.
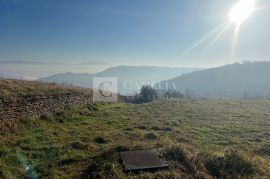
(199,139)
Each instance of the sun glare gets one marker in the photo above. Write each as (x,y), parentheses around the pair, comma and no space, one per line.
(242,10)
(239,13)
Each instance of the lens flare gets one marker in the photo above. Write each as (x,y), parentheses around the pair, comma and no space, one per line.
(241,11)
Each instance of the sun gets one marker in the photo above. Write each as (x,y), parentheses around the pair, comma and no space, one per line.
(241,11)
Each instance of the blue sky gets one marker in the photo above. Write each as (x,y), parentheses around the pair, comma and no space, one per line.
(129,32)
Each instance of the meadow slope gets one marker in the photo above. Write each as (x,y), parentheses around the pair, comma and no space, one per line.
(192,134)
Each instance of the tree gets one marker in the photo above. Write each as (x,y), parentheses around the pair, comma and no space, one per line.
(148,93)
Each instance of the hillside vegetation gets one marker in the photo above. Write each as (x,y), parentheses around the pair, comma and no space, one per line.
(247,80)
(11,87)
(199,139)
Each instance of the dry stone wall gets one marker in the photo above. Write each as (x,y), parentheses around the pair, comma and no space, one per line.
(35,106)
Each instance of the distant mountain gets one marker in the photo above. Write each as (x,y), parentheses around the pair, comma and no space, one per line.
(231,81)
(130,78)
(81,79)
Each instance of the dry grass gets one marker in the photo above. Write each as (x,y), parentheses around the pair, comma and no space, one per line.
(11,88)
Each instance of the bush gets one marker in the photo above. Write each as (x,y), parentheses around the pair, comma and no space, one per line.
(170,93)
(231,165)
(147,94)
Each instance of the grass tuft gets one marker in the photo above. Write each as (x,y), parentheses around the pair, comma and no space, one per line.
(178,154)
(150,136)
(231,165)
(100,140)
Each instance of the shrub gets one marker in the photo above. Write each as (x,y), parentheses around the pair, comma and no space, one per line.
(170,93)
(147,94)
(231,165)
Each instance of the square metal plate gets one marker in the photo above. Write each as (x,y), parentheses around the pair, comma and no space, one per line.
(142,160)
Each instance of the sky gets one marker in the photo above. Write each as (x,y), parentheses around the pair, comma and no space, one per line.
(131,32)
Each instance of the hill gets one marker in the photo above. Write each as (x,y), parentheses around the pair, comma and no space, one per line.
(231,81)
(76,79)
(130,78)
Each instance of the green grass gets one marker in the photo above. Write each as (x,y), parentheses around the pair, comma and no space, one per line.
(195,136)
